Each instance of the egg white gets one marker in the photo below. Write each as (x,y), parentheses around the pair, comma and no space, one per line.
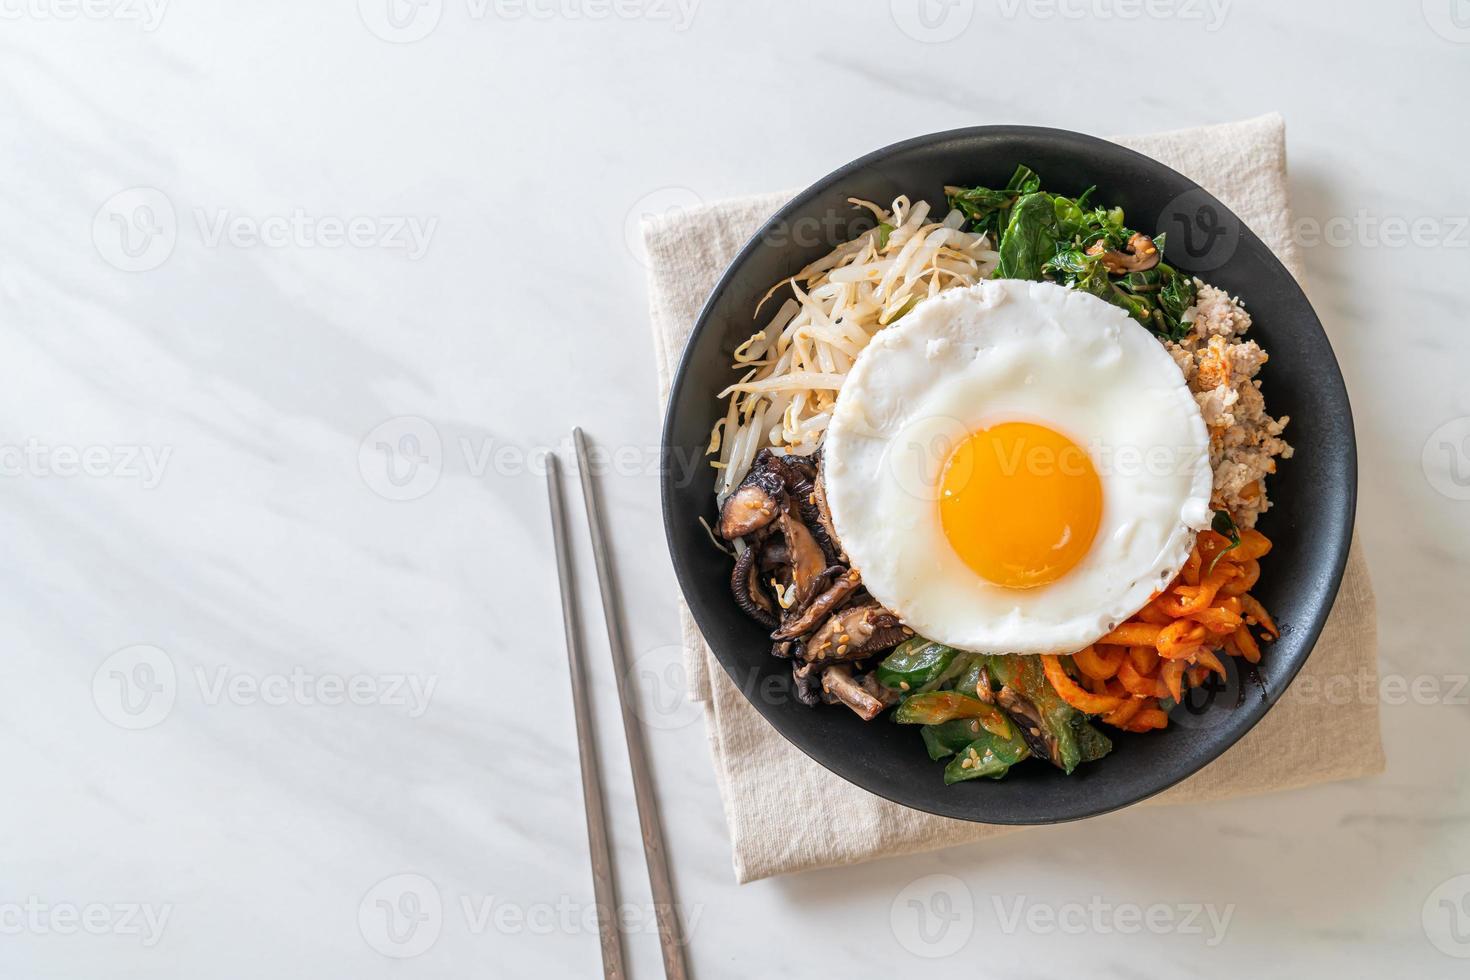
(1008,350)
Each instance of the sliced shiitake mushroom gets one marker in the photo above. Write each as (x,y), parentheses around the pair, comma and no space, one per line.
(1140,255)
(855,633)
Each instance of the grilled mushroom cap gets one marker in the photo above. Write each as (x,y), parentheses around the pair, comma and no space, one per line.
(750,595)
(807,562)
(803,482)
(807,679)
(845,581)
(855,633)
(757,501)
(824,514)
(1141,255)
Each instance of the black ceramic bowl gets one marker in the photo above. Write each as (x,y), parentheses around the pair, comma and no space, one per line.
(1314,493)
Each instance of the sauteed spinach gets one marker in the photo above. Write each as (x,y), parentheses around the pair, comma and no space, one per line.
(1074,242)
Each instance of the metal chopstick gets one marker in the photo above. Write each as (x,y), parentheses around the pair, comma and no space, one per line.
(670,932)
(604,886)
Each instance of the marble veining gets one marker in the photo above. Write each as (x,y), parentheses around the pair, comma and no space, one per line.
(295,298)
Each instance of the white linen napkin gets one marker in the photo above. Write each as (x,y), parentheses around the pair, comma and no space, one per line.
(785,812)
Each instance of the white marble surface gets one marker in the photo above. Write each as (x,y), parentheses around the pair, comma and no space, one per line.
(193,485)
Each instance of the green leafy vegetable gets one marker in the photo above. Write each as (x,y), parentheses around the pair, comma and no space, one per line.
(1047,237)
(1030,239)
(988,210)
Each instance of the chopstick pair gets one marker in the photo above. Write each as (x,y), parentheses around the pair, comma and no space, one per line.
(670,933)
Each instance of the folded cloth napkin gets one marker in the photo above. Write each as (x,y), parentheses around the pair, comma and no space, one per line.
(785,812)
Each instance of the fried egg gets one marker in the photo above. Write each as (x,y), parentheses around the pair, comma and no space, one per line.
(1016,467)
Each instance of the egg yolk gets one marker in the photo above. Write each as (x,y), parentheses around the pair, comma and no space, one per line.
(1020,503)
